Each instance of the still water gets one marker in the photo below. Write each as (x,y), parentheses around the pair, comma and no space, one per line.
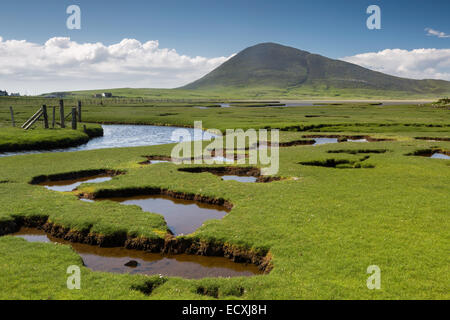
(116,260)
(121,135)
(182,216)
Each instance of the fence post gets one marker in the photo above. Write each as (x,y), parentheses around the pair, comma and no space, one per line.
(54,117)
(44,112)
(61,113)
(79,111)
(74,118)
(12,116)
(27,125)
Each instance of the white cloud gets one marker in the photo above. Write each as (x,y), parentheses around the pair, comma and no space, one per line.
(436,33)
(61,64)
(415,64)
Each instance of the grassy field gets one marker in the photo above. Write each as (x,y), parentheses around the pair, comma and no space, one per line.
(358,116)
(338,118)
(17,139)
(352,117)
(322,226)
(319,92)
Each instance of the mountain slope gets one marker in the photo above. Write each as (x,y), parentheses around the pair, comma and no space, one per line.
(272,65)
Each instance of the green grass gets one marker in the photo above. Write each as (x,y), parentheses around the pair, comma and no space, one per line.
(36,280)
(348,117)
(315,92)
(323,229)
(17,139)
(357,118)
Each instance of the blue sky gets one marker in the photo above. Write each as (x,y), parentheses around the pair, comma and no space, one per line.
(215,28)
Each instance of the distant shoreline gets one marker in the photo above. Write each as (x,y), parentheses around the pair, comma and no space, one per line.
(358,101)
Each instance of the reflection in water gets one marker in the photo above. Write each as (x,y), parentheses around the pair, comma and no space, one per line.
(438,155)
(220,159)
(114,260)
(157,161)
(245,179)
(115,136)
(182,216)
(121,135)
(86,200)
(70,185)
(300,104)
(319,141)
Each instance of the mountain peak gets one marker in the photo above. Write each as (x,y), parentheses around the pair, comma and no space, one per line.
(272,65)
(271,45)
(264,64)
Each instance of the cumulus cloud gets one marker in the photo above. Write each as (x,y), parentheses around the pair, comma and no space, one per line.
(415,64)
(436,33)
(62,64)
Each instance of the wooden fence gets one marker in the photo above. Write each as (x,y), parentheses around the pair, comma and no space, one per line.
(75,114)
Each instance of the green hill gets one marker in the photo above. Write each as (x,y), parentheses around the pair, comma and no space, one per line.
(270,65)
(272,71)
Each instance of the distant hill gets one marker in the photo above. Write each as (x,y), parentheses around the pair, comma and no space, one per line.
(270,65)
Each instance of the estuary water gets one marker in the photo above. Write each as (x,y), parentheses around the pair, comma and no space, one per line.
(120,135)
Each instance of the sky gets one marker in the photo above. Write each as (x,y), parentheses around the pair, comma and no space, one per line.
(165,44)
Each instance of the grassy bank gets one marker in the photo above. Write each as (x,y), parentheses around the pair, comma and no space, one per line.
(17,139)
(314,219)
(49,279)
(322,226)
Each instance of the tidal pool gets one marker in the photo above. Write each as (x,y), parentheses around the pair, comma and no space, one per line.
(222,159)
(70,185)
(245,179)
(182,216)
(357,140)
(115,260)
(319,141)
(438,155)
(157,161)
